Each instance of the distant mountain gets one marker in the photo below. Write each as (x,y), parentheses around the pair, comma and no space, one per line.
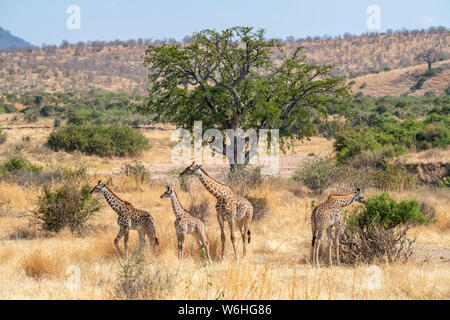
(7,40)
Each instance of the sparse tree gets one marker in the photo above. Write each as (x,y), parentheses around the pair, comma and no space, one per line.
(429,56)
(229,80)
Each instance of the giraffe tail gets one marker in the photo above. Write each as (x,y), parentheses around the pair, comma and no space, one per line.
(156,240)
(313,240)
(249,235)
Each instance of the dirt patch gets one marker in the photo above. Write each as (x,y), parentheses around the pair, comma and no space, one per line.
(429,172)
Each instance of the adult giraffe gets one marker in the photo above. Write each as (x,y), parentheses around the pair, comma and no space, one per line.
(230,207)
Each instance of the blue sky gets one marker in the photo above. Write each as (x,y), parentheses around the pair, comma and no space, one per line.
(44,21)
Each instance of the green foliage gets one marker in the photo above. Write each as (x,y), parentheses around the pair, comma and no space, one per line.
(67,206)
(317,174)
(229,80)
(19,165)
(385,133)
(382,210)
(94,107)
(100,140)
(419,83)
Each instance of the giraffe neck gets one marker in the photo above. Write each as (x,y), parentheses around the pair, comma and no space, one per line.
(115,203)
(176,205)
(344,200)
(214,187)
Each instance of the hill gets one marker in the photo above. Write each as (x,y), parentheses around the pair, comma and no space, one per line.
(8,41)
(404,80)
(118,65)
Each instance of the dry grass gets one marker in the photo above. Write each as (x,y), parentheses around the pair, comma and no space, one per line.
(37,265)
(276,266)
(399,81)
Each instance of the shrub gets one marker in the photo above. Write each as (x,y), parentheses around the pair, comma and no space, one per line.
(100,140)
(378,230)
(419,83)
(199,208)
(66,206)
(19,165)
(136,280)
(244,179)
(260,207)
(317,174)
(137,171)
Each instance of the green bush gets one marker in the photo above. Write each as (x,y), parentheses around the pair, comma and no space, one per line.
(419,83)
(100,140)
(378,232)
(67,206)
(382,210)
(317,174)
(19,165)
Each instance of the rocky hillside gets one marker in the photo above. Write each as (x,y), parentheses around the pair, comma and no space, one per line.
(117,65)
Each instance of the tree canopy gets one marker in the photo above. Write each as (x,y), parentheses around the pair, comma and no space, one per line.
(238,79)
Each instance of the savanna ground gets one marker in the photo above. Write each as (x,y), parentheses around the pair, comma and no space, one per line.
(37,265)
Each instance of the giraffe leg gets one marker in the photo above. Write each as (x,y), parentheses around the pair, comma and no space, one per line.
(125,241)
(337,244)
(141,238)
(201,238)
(243,227)
(231,224)
(316,253)
(116,241)
(330,244)
(222,233)
(180,246)
(151,237)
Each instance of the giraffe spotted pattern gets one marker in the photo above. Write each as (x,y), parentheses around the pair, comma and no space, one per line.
(129,218)
(326,216)
(186,224)
(230,207)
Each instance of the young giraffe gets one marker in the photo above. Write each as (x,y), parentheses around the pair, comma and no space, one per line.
(324,217)
(185,223)
(129,218)
(230,207)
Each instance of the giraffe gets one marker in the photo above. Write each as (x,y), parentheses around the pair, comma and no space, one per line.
(129,218)
(230,208)
(324,217)
(185,223)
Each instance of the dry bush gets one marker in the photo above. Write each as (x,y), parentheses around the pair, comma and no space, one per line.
(138,280)
(317,174)
(428,210)
(38,265)
(244,179)
(24,232)
(199,208)
(372,244)
(260,207)
(378,232)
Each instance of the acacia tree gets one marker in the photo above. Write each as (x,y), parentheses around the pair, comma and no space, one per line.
(237,79)
(429,56)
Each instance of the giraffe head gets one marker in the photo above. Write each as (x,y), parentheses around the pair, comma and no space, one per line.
(191,170)
(168,193)
(358,196)
(100,187)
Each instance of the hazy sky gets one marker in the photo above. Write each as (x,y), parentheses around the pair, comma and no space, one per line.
(44,21)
